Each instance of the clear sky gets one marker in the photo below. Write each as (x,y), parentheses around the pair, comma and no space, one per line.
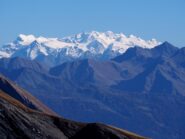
(160,19)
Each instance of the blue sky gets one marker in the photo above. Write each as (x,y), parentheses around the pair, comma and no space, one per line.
(160,19)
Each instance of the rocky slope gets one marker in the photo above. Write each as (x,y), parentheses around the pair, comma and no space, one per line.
(21,95)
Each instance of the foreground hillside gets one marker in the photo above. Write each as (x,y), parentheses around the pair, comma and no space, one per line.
(17,121)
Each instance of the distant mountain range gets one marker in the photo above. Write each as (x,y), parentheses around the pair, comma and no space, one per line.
(141,90)
(24,117)
(54,51)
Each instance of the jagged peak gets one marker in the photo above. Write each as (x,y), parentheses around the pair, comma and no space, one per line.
(25,38)
(166,43)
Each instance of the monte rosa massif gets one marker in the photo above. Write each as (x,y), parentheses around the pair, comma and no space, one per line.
(54,51)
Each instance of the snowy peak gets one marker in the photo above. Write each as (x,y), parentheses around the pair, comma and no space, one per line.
(105,38)
(24,39)
(94,45)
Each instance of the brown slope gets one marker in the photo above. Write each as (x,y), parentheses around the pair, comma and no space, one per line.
(23,96)
(18,121)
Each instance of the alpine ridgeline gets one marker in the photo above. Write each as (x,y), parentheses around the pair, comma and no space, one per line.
(54,51)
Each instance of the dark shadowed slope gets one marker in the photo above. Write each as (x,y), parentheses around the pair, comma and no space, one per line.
(17,121)
(179,57)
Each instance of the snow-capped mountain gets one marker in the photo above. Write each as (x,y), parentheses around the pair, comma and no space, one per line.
(53,51)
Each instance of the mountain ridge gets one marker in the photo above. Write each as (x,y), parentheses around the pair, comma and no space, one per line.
(54,51)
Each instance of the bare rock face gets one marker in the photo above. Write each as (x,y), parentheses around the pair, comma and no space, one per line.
(19,121)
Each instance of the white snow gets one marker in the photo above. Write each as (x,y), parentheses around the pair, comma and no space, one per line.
(4,54)
(25,39)
(55,44)
(75,46)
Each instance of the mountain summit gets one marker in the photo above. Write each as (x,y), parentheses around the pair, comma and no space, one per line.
(54,51)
